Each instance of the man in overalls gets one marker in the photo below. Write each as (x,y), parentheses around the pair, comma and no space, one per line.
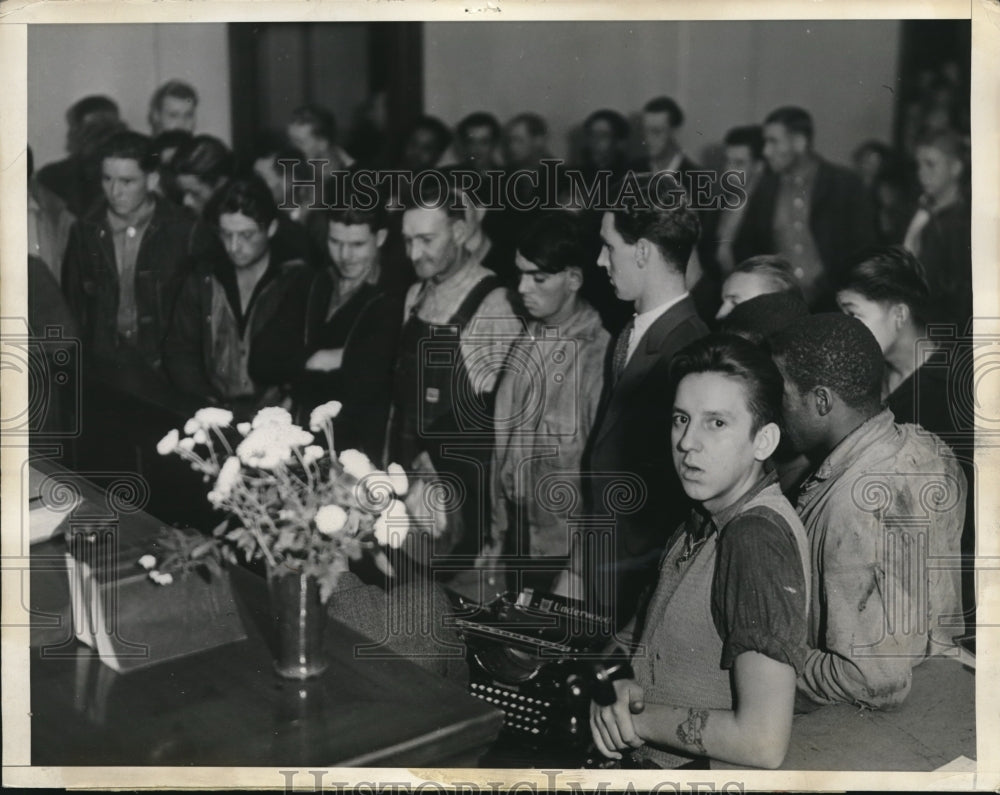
(458,327)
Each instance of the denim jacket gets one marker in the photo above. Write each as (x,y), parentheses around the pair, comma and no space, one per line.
(545,408)
(884,515)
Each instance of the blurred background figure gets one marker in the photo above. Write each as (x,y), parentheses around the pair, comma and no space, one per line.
(77,179)
(744,150)
(174,106)
(757,276)
(49,222)
(202,167)
(605,139)
(425,144)
(164,147)
(940,232)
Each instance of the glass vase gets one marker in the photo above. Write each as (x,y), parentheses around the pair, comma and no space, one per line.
(299,623)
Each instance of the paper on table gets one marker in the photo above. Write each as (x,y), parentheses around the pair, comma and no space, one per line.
(960,764)
(44,520)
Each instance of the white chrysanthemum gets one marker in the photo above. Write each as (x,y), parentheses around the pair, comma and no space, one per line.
(200,437)
(244,428)
(268,446)
(212,417)
(229,476)
(168,443)
(321,414)
(272,415)
(312,453)
(330,519)
(161,578)
(397,476)
(191,426)
(392,525)
(147,562)
(356,463)
(295,436)
(186,444)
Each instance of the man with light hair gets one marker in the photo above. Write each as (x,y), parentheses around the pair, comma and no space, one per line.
(173,107)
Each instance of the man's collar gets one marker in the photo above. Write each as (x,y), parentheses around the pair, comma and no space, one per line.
(720,519)
(468,262)
(853,444)
(142,216)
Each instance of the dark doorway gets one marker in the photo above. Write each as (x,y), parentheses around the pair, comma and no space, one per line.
(369,74)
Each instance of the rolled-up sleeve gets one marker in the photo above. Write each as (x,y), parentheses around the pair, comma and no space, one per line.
(759,590)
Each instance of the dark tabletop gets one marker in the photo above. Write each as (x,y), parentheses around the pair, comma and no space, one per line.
(225,706)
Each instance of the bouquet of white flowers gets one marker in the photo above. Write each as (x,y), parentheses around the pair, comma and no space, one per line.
(294,503)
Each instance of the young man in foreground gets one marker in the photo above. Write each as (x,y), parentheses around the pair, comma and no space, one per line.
(723,635)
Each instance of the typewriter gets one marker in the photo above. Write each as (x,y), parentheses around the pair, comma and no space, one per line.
(538,657)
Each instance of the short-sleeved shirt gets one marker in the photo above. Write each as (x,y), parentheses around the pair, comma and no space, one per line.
(758,585)
(730,582)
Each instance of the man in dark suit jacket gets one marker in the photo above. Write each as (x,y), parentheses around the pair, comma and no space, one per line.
(813,213)
(645,252)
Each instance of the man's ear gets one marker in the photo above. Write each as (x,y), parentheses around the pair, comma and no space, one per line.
(461,230)
(765,441)
(153,181)
(822,400)
(643,250)
(380,237)
(900,315)
(272,228)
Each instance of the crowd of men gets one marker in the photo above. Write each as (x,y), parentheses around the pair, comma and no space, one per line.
(707,422)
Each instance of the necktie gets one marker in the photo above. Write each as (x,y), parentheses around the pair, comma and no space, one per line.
(621,349)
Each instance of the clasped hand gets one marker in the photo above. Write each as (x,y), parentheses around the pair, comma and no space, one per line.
(612,727)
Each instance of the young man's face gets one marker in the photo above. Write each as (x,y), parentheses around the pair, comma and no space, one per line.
(521,145)
(126,186)
(739,157)
(479,144)
(432,242)
(175,113)
(781,149)
(246,243)
(306,141)
(880,317)
(618,258)
(936,170)
(740,287)
(714,446)
(657,134)
(422,151)
(601,141)
(545,295)
(353,249)
(197,192)
(802,422)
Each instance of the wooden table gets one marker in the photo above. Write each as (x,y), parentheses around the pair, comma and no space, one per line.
(225,706)
(936,724)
